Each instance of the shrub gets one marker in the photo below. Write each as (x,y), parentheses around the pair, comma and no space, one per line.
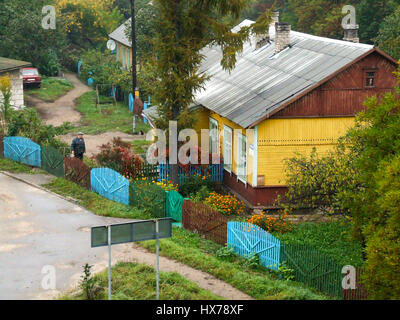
(5,106)
(225,204)
(201,195)
(49,64)
(193,184)
(271,224)
(119,157)
(26,123)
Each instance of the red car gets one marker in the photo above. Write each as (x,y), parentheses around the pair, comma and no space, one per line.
(31,76)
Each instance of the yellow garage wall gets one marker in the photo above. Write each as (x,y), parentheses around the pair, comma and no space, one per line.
(280,139)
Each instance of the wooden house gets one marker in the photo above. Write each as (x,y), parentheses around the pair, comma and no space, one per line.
(123,49)
(295,91)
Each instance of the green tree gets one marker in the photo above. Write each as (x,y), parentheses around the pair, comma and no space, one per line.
(22,36)
(388,38)
(182,29)
(362,179)
(370,16)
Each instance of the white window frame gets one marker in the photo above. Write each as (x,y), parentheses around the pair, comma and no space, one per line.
(240,139)
(227,154)
(215,123)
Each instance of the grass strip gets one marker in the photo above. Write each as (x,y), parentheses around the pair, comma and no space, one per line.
(133,281)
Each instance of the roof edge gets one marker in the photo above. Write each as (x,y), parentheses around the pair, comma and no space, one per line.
(320,83)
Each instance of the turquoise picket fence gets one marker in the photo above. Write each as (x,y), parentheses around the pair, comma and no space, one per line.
(23,150)
(247,239)
(214,171)
(110,184)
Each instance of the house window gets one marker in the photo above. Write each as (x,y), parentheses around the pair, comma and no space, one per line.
(369,78)
(228,149)
(242,158)
(214,145)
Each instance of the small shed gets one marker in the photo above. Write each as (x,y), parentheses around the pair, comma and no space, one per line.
(13,68)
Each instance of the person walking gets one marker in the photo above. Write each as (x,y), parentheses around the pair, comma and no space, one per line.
(78,146)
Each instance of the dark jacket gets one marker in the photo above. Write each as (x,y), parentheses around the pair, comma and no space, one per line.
(78,146)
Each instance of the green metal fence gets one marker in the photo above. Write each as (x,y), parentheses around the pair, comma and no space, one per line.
(313,268)
(53,161)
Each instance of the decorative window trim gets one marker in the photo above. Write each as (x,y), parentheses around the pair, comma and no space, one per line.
(228,167)
(240,139)
(216,124)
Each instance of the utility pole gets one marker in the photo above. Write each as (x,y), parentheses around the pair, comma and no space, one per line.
(134,64)
(133,23)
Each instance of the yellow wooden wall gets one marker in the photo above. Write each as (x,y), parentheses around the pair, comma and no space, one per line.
(280,139)
(122,55)
(202,116)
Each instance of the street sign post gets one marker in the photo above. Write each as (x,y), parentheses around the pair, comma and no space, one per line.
(131,232)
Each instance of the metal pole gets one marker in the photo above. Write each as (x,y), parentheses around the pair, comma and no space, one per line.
(109,263)
(157,261)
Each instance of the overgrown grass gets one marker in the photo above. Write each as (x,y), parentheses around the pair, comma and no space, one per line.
(111,118)
(132,281)
(51,90)
(192,250)
(16,167)
(331,238)
(140,146)
(202,254)
(94,202)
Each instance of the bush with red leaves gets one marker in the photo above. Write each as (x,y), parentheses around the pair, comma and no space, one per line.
(119,157)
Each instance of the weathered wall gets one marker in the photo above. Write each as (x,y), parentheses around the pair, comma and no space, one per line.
(17,90)
(344,94)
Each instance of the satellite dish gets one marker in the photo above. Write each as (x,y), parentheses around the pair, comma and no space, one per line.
(111,45)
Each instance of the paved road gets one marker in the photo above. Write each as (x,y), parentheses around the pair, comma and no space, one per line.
(39,229)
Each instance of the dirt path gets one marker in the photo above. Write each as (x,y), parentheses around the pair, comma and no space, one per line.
(93,142)
(63,109)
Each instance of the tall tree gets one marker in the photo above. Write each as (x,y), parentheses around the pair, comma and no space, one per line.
(183,28)
(388,38)
(22,35)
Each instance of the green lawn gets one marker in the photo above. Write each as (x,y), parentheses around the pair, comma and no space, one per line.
(132,281)
(16,167)
(199,253)
(331,238)
(140,146)
(51,90)
(111,117)
(94,202)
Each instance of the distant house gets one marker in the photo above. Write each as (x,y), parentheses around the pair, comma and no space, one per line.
(123,48)
(296,91)
(13,68)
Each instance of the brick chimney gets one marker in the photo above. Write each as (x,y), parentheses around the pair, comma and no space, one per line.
(282,36)
(351,33)
(262,39)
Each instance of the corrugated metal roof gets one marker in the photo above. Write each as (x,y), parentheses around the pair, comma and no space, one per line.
(262,81)
(11,64)
(119,34)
